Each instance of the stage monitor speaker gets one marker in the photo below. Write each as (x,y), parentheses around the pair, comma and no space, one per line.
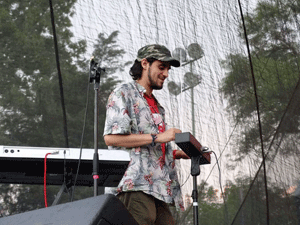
(101,210)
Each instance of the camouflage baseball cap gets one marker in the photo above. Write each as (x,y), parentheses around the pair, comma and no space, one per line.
(158,52)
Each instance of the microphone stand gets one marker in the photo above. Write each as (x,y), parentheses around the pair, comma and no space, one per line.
(195,171)
(189,144)
(95,73)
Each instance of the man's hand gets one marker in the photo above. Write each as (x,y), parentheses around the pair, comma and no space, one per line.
(168,135)
(181,155)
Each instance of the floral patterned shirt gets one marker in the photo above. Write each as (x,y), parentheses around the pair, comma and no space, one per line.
(128,113)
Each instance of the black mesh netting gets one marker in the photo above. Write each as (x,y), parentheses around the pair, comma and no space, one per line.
(237,94)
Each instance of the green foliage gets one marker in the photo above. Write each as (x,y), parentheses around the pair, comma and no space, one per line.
(109,56)
(213,209)
(271,28)
(31,112)
(272,31)
(30,100)
(272,35)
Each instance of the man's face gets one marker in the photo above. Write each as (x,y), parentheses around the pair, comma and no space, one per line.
(157,73)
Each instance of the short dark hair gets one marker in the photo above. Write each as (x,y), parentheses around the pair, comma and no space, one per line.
(136,69)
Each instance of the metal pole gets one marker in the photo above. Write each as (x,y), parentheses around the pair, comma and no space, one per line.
(192,100)
(193,112)
(96,155)
(95,74)
(195,171)
(195,201)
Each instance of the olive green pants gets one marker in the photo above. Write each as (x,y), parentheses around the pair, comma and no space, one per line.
(146,209)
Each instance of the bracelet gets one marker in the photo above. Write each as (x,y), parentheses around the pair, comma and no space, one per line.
(154,136)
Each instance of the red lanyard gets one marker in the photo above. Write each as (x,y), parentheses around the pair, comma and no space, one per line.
(161,128)
(154,109)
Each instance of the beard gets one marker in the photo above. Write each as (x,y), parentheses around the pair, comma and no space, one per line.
(153,85)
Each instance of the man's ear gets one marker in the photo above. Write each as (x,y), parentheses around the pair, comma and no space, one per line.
(144,63)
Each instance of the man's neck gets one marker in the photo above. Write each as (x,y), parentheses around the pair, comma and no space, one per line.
(146,86)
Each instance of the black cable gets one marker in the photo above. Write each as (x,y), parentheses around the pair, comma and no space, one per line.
(61,90)
(217,162)
(220,182)
(275,135)
(217,159)
(82,136)
(59,76)
(185,180)
(259,124)
(188,210)
(222,150)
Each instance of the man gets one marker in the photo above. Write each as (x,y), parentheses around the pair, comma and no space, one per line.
(135,121)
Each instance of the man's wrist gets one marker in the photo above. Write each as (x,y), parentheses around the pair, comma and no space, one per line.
(154,137)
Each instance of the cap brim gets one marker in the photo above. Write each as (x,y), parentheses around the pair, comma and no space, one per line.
(175,63)
(172,61)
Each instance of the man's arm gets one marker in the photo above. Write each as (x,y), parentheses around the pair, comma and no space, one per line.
(127,140)
(136,140)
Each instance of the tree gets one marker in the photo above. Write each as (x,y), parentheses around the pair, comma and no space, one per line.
(275,56)
(272,31)
(209,207)
(30,100)
(214,210)
(109,56)
(30,103)
(282,206)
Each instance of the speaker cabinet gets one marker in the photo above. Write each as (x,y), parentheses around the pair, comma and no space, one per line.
(101,210)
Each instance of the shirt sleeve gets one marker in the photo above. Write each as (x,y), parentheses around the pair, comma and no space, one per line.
(117,118)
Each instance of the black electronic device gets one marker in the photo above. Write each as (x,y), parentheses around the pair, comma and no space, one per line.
(25,165)
(189,144)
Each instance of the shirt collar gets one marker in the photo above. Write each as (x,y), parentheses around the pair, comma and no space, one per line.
(142,91)
(140,88)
